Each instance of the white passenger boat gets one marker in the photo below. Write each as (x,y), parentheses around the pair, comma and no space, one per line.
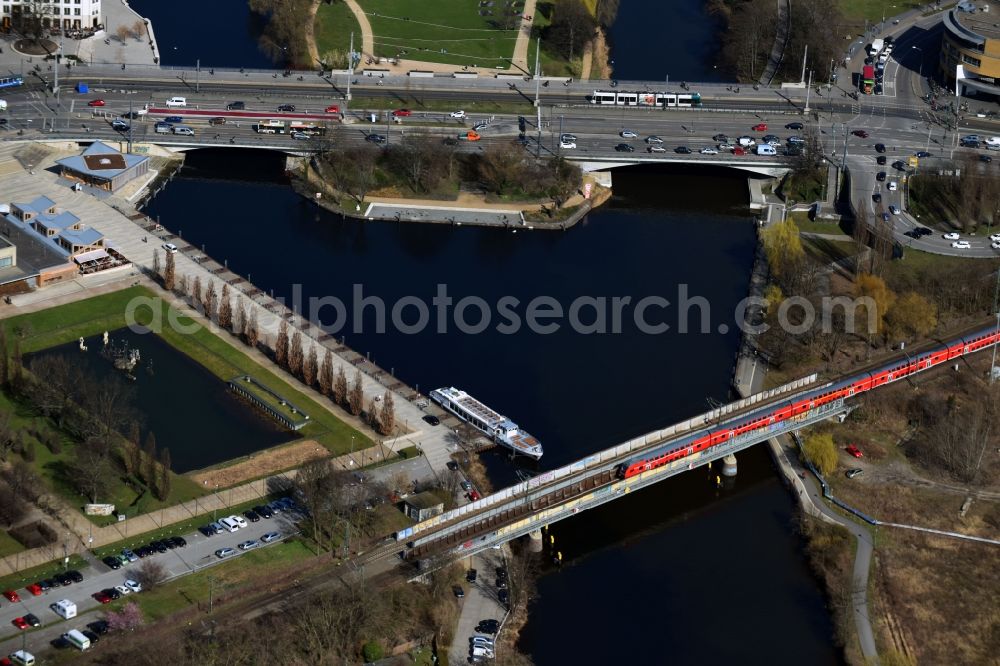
(497,427)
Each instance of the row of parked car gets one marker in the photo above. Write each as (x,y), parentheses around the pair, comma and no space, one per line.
(37,589)
(234,522)
(128,556)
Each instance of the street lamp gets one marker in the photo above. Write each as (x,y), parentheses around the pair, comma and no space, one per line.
(920,73)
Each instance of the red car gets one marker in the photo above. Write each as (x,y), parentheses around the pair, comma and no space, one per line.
(102,597)
(760,127)
(860,133)
(35,589)
(402,113)
(96,102)
(739,151)
(474,495)
(20,623)
(854,451)
(12,596)
(333,108)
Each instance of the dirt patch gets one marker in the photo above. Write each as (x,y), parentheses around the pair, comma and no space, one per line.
(264,463)
(600,67)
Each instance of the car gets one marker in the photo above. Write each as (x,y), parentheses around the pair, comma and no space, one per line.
(796,140)
(708,151)
(452,465)
(682,150)
(885,217)
(263,511)
(720,138)
(122,590)
(995,238)
(892,186)
(129,555)
(624,148)
(173,119)
(218,120)
(276,506)
(961,245)
(478,127)
(207,530)
(894,210)
(851,473)
(912,233)
(628,134)
(474,495)
(223,553)
(119,125)
(951,235)
(488,626)
(20,623)
(133,585)
(880,160)
(985,158)
(333,108)
(377,139)
(179,542)
(471,575)
(654,139)
(860,134)
(75,576)
(102,597)
(35,589)
(567,144)
(502,583)
(236,106)
(96,102)
(32,620)
(656,149)
(402,113)
(269,537)
(432,420)
(995,245)
(772,140)
(458,591)
(880,176)
(466,486)
(759,127)
(458,114)
(289,108)
(133,115)
(924,231)
(100,627)
(44,585)
(252,516)
(922,153)
(503,597)
(877,198)
(113,593)
(501,572)
(64,579)
(249,544)
(158,546)
(879,147)
(91,636)
(112,562)
(794,126)
(899,165)
(567,137)
(854,451)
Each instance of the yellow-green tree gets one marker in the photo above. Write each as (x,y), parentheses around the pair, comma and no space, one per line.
(912,315)
(773,296)
(820,450)
(783,249)
(871,286)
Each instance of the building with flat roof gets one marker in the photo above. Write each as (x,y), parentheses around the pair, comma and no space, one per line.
(423,506)
(103,167)
(61,229)
(970,48)
(65,14)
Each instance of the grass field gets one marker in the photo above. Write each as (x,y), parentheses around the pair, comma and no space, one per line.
(857,11)
(9,545)
(441,31)
(35,574)
(333,28)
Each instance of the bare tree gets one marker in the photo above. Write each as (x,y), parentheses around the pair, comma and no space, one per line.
(225,309)
(281,345)
(295,357)
(169,272)
(355,400)
(252,332)
(387,419)
(340,387)
(309,367)
(150,573)
(326,374)
(210,302)
(163,480)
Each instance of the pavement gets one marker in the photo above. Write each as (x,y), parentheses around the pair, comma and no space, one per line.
(480,602)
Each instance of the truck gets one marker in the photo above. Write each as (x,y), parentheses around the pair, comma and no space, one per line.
(867,79)
(77,639)
(877,46)
(270,126)
(469,136)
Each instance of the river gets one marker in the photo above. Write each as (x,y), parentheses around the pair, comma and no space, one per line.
(682,572)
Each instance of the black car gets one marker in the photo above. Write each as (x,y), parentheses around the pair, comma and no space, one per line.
(112,562)
(169,543)
(32,620)
(877,198)
(263,511)
(52,582)
(433,420)
(158,546)
(471,575)
(880,176)
(131,115)
(458,591)
(144,551)
(75,576)
(3,121)
(879,147)
(287,107)
(207,530)
(452,465)
(501,583)
(985,158)
(922,153)
(179,542)
(44,585)
(501,572)
(794,126)
(377,139)
(504,597)
(488,626)
(251,516)
(64,579)
(683,150)
(924,231)
(880,160)
(912,233)
(99,627)
(91,636)
(112,592)
(235,106)
(898,165)
(624,148)
(722,138)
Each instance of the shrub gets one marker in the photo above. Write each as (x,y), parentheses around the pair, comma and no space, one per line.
(372,651)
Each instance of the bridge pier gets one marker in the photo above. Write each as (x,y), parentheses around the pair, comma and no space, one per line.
(535,541)
(729,465)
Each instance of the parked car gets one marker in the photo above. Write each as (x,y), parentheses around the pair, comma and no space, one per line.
(112,562)
(880,160)
(624,148)
(99,627)
(432,420)
(133,585)
(75,576)
(854,451)
(249,544)
(270,536)
(113,593)
(892,186)
(860,133)
(458,591)
(223,553)
(474,495)
(466,486)
(129,555)
(91,636)
(252,516)
(35,589)
(20,623)
(32,620)
(263,511)
(877,198)
(894,210)
(102,597)
(179,542)
(471,575)
(503,597)
(880,176)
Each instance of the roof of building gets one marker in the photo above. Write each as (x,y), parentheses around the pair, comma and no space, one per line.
(37,205)
(101,161)
(87,236)
(424,500)
(983,19)
(57,222)
(91,255)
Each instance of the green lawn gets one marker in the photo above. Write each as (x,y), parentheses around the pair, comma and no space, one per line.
(803,222)
(857,11)
(333,28)
(440,31)
(9,545)
(35,574)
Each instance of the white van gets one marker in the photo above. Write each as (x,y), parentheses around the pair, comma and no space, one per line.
(479,651)
(23,658)
(993,143)
(77,639)
(64,608)
(162,128)
(766,149)
(177,101)
(183,129)
(229,524)
(746,141)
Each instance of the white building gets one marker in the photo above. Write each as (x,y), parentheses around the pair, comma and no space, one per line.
(65,14)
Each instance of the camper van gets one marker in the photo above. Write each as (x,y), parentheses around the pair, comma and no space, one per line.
(77,639)
(22,658)
(766,149)
(64,608)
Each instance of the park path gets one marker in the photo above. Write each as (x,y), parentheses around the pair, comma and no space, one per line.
(367,38)
(311,32)
(520,58)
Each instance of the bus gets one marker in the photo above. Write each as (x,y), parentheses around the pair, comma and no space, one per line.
(11,81)
(868,79)
(307,128)
(270,126)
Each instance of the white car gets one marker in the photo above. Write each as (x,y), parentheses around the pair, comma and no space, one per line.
(651,139)
(961,245)
(170,247)
(657,149)
(458,114)
(996,245)
(950,236)
(709,151)
(133,585)
(894,210)
(629,134)
(995,238)
(123,590)
(567,144)
(892,186)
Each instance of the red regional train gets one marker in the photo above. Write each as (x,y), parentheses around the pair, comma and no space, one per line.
(767,416)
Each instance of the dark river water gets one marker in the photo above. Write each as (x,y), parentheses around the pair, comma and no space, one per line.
(680,573)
